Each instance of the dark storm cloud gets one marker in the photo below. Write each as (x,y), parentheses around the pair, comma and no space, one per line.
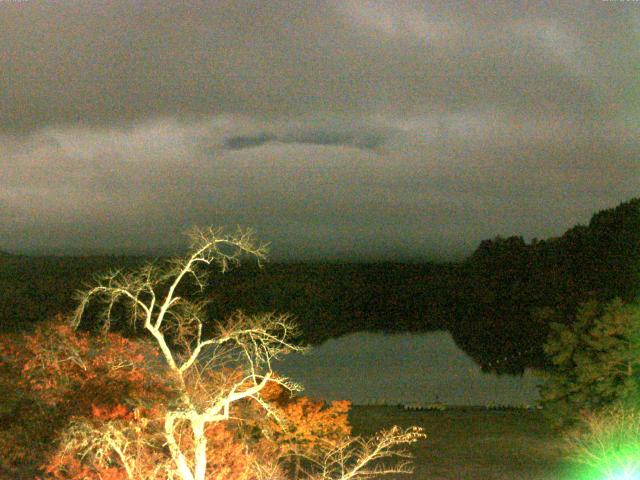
(247,141)
(366,141)
(346,128)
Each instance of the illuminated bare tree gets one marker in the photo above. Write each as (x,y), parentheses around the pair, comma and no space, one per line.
(198,355)
(357,458)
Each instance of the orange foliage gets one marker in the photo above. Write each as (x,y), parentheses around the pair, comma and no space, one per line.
(70,468)
(105,413)
(113,382)
(59,365)
(309,421)
(63,374)
(305,427)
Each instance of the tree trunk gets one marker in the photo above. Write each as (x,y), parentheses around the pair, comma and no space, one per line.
(200,447)
(178,457)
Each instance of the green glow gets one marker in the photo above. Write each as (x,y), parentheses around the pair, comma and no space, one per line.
(607,446)
(622,464)
(625,475)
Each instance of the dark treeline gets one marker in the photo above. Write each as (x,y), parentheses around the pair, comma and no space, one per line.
(497,304)
(36,288)
(511,291)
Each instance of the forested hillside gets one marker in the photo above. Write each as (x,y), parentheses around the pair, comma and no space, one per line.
(511,291)
(497,304)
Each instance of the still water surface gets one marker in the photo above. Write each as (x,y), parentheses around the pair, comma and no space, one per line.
(374,367)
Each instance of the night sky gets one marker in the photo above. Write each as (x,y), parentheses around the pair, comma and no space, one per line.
(338,130)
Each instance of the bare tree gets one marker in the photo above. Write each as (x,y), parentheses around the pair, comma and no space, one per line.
(357,458)
(192,350)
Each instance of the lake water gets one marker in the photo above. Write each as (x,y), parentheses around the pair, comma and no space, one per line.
(374,367)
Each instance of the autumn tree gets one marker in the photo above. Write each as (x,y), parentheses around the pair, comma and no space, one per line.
(183,404)
(60,376)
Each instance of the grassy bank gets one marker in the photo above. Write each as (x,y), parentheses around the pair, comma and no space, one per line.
(474,444)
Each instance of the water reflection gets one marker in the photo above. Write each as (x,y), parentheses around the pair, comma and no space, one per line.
(374,367)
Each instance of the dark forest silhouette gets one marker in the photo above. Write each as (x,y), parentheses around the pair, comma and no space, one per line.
(497,304)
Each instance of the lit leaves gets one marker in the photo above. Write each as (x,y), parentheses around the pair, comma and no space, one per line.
(596,361)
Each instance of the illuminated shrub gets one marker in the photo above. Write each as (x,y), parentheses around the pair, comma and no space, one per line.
(596,362)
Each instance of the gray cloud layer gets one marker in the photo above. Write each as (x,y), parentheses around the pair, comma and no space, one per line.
(337,129)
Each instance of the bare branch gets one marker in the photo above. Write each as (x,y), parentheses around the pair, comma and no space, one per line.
(356,458)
